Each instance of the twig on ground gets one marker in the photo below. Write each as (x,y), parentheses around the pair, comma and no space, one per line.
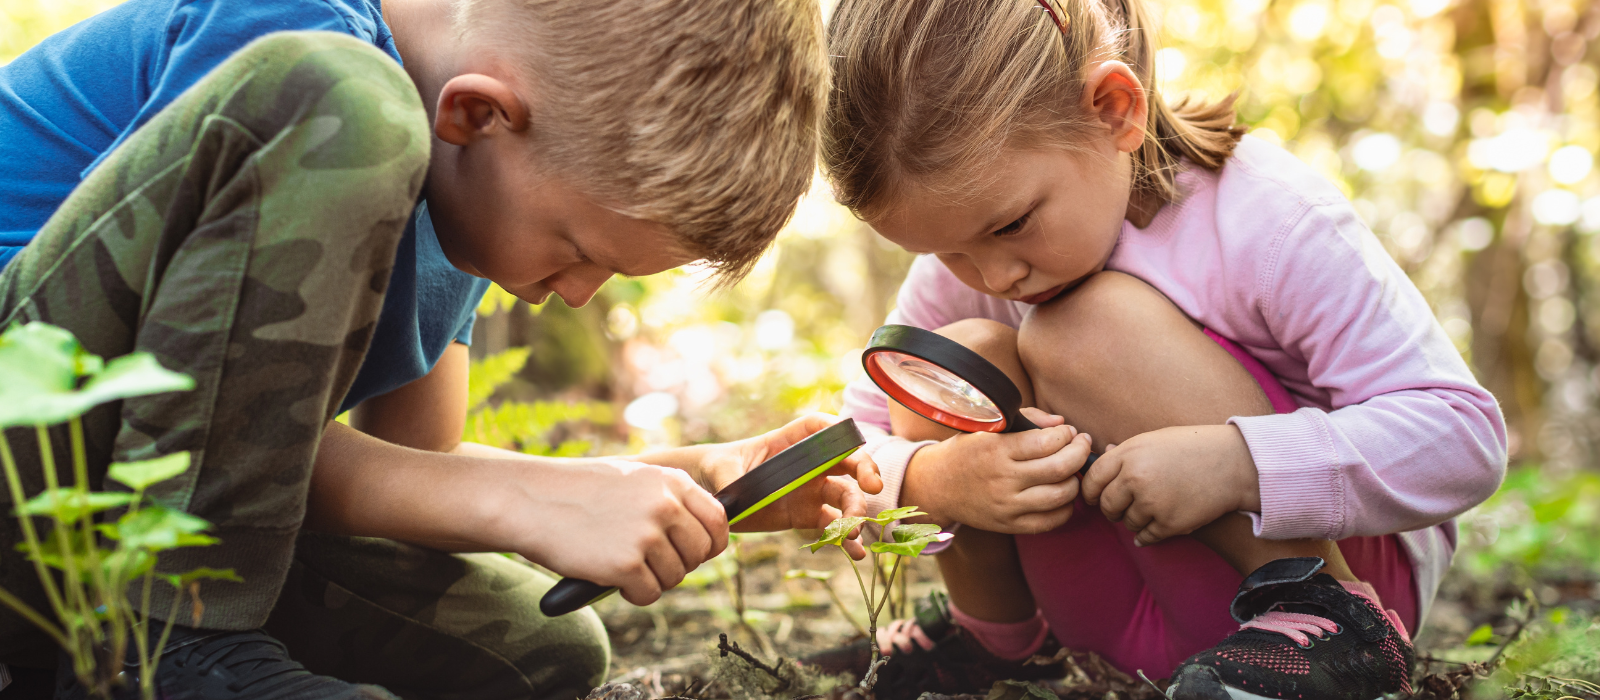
(726,647)
(871,678)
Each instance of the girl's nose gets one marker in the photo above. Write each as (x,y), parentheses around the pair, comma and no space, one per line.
(1000,272)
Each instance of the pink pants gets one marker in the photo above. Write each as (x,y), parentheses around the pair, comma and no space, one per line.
(1152,607)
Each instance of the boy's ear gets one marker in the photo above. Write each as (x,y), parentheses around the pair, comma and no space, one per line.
(1114,94)
(474,106)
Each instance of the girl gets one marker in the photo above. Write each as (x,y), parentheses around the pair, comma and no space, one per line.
(1273,397)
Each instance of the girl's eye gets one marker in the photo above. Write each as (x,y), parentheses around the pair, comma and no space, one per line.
(1014,227)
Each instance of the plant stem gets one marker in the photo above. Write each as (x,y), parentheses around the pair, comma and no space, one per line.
(31,615)
(872,616)
(886,585)
(31,539)
(141,640)
(71,575)
(107,592)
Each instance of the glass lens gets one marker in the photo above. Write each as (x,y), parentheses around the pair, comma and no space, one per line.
(937,387)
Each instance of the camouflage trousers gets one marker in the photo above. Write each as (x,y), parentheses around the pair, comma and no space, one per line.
(245,236)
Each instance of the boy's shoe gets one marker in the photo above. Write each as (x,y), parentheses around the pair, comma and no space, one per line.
(1304,637)
(932,655)
(214,665)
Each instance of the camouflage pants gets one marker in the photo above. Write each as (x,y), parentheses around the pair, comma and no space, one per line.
(244,236)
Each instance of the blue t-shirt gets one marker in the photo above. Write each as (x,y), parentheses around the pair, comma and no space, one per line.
(69,101)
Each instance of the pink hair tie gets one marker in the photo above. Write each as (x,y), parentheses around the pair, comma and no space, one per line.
(1059,19)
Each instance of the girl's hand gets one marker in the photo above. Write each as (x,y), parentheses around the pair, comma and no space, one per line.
(839,491)
(1172,481)
(1012,483)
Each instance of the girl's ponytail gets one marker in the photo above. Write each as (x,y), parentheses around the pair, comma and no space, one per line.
(1205,134)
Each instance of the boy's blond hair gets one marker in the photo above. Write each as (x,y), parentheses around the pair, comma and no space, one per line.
(697,114)
(934,90)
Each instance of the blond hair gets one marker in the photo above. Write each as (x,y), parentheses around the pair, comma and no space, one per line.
(933,90)
(697,114)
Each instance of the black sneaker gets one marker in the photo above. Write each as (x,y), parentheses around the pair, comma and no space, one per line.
(942,659)
(1304,637)
(213,665)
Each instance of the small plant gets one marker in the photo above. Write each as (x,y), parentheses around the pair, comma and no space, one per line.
(47,378)
(906,542)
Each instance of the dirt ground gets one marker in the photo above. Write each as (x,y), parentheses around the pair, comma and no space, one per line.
(667,649)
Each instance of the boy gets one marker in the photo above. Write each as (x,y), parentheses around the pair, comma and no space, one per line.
(251,210)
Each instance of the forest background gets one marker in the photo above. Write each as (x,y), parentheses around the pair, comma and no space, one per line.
(1465,131)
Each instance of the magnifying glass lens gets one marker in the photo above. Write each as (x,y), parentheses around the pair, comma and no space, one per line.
(937,387)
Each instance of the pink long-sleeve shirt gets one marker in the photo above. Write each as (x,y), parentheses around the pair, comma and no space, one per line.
(1394,435)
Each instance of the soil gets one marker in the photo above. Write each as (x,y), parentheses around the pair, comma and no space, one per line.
(668,649)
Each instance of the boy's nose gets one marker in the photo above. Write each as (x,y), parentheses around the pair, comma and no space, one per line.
(576,288)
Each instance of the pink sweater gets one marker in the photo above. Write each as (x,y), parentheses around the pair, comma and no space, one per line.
(1394,435)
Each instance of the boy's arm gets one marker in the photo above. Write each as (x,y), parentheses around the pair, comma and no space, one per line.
(635,526)
(427,414)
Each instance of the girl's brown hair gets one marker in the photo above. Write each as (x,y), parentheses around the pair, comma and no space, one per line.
(932,89)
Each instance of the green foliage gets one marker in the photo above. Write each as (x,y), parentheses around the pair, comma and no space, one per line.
(907,541)
(1537,524)
(46,377)
(1557,656)
(524,426)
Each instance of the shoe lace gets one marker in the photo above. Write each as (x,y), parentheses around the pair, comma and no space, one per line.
(1295,626)
(260,664)
(901,634)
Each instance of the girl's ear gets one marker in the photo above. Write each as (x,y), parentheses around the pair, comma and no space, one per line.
(474,106)
(1116,97)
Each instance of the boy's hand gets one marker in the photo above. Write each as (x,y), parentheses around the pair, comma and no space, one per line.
(1013,483)
(636,526)
(1172,481)
(839,491)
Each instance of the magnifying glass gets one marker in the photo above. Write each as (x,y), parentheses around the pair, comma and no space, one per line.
(758,488)
(943,381)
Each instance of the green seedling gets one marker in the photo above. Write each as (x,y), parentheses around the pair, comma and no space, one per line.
(47,378)
(905,542)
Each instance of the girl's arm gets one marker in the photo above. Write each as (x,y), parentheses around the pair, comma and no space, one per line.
(930,298)
(1414,440)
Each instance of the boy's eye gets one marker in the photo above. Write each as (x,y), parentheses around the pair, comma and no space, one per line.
(1014,227)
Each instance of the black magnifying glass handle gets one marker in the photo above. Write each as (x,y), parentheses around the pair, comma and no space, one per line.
(759,487)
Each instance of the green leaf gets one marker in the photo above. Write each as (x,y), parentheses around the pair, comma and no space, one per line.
(1481,636)
(807,573)
(207,574)
(837,532)
(908,533)
(141,474)
(893,514)
(40,366)
(75,504)
(910,540)
(158,528)
(50,552)
(131,563)
(138,374)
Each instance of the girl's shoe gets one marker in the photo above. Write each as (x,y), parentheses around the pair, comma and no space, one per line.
(1304,637)
(931,654)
